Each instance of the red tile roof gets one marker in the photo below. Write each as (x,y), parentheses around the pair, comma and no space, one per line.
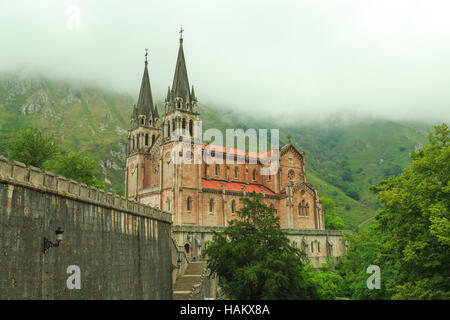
(234,186)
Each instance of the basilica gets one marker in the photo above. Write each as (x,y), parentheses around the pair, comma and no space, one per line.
(203,197)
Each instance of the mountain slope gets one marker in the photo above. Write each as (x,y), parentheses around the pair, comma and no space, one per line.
(341,160)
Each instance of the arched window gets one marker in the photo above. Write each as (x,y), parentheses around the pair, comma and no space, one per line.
(188,204)
(168,205)
(318,246)
(168,129)
(233,204)
(146,139)
(303,207)
(183,123)
(178,104)
(254,175)
(211,205)
(142,120)
(299,209)
(174,127)
(186,247)
(153,138)
(134,144)
(312,246)
(216,170)
(236,172)
(307,210)
(191,128)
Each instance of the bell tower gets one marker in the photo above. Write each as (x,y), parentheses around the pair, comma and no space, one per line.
(181,108)
(143,139)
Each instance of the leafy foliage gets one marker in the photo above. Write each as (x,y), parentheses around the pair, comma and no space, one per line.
(332,220)
(78,167)
(414,225)
(254,259)
(33,147)
(410,238)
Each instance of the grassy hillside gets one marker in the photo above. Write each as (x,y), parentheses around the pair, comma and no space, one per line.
(341,160)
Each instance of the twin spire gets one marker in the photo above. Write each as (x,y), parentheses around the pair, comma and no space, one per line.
(180,95)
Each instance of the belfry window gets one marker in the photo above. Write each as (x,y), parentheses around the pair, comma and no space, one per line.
(178,104)
(142,120)
(183,123)
(188,204)
(211,206)
(191,128)
(146,139)
(168,129)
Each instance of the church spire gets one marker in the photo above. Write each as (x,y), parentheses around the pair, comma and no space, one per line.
(180,97)
(180,85)
(145,110)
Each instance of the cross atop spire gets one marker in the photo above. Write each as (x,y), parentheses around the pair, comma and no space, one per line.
(181,34)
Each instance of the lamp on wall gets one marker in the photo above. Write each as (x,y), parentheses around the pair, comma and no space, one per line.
(59,236)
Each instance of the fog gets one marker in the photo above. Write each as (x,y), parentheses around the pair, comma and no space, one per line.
(294,60)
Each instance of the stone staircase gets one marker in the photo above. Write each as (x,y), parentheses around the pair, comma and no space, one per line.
(182,288)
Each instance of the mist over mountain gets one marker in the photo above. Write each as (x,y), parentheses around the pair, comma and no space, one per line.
(297,61)
(343,158)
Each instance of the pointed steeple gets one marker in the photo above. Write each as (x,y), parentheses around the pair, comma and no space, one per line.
(155,112)
(145,101)
(144,112)
(179,96)
(180,85)
(193,97)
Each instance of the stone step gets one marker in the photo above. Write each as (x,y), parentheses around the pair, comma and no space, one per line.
(184,284)
(195,268)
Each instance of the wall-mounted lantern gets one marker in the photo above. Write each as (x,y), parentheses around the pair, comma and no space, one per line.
(48,244)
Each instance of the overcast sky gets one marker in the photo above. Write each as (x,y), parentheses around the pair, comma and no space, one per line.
(305,59)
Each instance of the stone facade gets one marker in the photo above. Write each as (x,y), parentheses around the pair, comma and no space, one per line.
(123,248)
(207,195)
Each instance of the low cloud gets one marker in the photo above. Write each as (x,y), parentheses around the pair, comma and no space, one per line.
(295,60)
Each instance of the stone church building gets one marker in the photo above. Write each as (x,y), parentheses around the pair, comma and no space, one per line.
(204,197)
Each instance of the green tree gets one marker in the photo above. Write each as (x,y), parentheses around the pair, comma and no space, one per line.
(414,224)
(332,220)
(254,259)
(32,146)
(329,281)
(78,167)
(363,251)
